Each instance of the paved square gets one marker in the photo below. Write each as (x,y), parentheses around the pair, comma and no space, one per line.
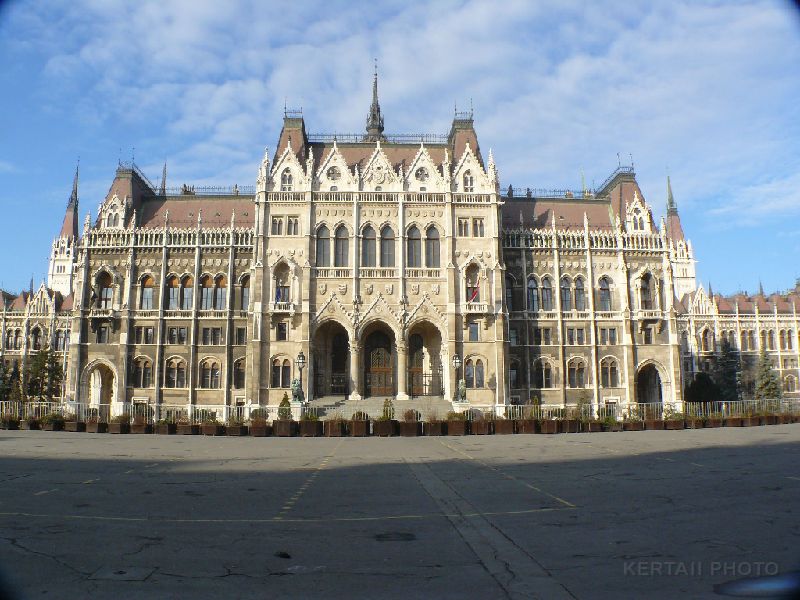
(661,514)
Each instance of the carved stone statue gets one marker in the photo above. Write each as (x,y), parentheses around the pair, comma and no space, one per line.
(297,391)
(462,391)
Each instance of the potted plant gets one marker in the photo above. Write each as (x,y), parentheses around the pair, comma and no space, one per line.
(335,426)
(672,419)
(52,422)
(166,427)
(694,422)
(71,423)
(359,424)
(480,425)
(457,423)
(714,419)
(528,423)
(610,423)
(210,425)
(504,425)
(632,419)
(186,427)
(94,424)
(572,422)
(258,423)
(653,419)
(29,423)
(140,425)
(120,424)
(751,419)
(410,426)
(9,421)
(385,425)
(284,425)
(434,425)
(235,426)
(310,425)
(594,425)
(732,421)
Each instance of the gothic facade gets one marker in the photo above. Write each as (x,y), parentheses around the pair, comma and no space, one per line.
(382,258)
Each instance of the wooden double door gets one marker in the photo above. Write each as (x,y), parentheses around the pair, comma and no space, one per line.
(378,365)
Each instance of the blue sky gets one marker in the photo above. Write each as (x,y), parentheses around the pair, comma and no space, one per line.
(707,91)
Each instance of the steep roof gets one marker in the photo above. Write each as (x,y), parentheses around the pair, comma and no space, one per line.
(183,211)
(539,212)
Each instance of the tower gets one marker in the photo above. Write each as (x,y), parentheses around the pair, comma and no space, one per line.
(681,251)
(374,118)
(62,254)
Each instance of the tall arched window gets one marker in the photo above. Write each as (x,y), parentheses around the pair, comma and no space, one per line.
(220,293)
(36,338)
(782,337)
(752,340)
(605,294)
(387,247)
(566,294)
(743,346)
(105,291)
(9,342)
(18,340)
(469,182)
(206,293)
(340,246)
(175,373)
(580,295)
(281,373)
(323,247)
(576,373)
(771,336)
(146,298)
(473,373)
(286,180)
(646,292)
(789,338)
(542,374)
(509,293)
(473,284)
(432,248)
(244,303)
(238,374)
(142,373)
(286,373)
(414,248)
(790,384)
(368,243)
(547,294)
(282,277)
(173,299)
(209,374)
(609,373)
(533,295)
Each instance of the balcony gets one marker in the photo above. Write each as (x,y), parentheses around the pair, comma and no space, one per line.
(332,272)
(649,315)
(473,308)
(378,272)
(607,315)
(423,273)
(177,314)
(212,314)
(146,314)
(282,307)
(102,313)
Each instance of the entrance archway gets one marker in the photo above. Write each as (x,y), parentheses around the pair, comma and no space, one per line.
(331,360)
(98,385)
(379,362)
(648,385)
(425,377)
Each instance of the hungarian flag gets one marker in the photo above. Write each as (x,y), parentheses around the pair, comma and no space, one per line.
(476,291)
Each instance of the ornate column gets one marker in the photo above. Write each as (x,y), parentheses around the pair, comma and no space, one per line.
(355,370)
(402,371)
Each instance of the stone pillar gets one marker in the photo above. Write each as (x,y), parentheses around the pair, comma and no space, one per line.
(402,371)
(355,371)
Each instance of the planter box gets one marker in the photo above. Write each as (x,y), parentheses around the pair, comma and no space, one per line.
(481,427)
(694,424)
(386,428)
(185,429)
(212,429)
(335,428)
(768,420)
(751,421)
(657,424)
(96,427)
(119,428)
(141,428)
(310,428)
(713,422)
(260,430)
(28,426)
(732,422)
(569,426)
(633,426)
(359,428)
(284,427)
(595,426)
(548,426)
(75,426)
(784,419)
(10,424)
(57,426)
(457,427)
(166,428)
(673,424)
(617,426)
(435,428)
(504,427)
(236,430)
(410,428)
(528,426)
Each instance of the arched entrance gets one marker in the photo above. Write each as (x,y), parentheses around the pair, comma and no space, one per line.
(98,385)
(379,362)
(425,360)
(331,360)
(648,385)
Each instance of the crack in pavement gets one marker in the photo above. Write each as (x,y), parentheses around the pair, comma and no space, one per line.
(16,544)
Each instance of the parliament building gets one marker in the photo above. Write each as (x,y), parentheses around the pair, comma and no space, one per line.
(399,266)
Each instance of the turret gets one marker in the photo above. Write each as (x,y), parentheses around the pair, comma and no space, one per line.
(374,118)
(63,252)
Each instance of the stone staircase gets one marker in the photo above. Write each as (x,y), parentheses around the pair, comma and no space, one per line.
(427,406)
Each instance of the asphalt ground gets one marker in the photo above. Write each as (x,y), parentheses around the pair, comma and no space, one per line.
(661,514)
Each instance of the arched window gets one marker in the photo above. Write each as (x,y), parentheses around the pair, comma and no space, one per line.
(580,295)
(473,373)
(771,337)
(281,373)
(187,293)
(175,373)
(705,341)
(206,293)
(789,338)
(368,243)
(36,339)
(220,293)
(752,340)
(473,284)
(685,342)
(282,277)
(732,339)
(116,220)
(173,295)
(340,246)
(286,180)
(105,291)
(566,294)
(790,384)
(605,294)
(509,293)
(209,374)
(9,342)
(323,247)
(609,373)
(244,293)
(61,340)
(432,248)
(743,346)
(387,247)
(576,373)
(547,294)
(146,299)
(238,374)
(542,374)
(142,373)
(533,295)
(414,248)
(469,182)
(18,340)
(646,292)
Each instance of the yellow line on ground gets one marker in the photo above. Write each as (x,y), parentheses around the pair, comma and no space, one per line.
(304,486)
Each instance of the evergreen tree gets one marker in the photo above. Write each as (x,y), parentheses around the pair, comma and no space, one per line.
(702,389)
(45,376)
(768,386)
(5,382)
(17,393)
(55,376)
(725,373)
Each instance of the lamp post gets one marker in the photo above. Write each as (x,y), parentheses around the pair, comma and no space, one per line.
(300,363)
(456,366)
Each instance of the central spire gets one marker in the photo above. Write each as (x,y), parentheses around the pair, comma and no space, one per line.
(672,208)
(374,118)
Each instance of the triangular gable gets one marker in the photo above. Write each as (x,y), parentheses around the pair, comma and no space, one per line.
(431,179)
(332,306)
(379,306)
(469,162)
(288,160)
(378,173)
(426,309)
(344,180)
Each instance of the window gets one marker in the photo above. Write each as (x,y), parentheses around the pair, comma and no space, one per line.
(576,373)
(432,248)
(542,336)
(509,293)
(220,293)
(368,243)
(387,247)
(281,331)
(175,373)
(238,374)
(463,228)
(790,384)
(477,227)
(9,340)
(576,336)
(513,376)
(144,335)
(245,294)
(469,182)
(211,336)
(647,335)
(177,335)
(206,293)
(743,345)
(473,332)
(187,290)
(105,291)
(323,247)
(286,180)
(646,292)
(36,339)
(277,226)
(533,295)
(609,373)
(547,294)
(173,294)
(566,294)
(18,340)
(414,248)
(209,374)
(771,337)
(146,300)
(334,173)
(421,174)
(580,295)
(61,340)
(142,373)
(281,373)
(542,374)
(789,337)
(473,284)
(608,336)
(473,373)
(341,243)
(605,294)
(513,336)
(292,226)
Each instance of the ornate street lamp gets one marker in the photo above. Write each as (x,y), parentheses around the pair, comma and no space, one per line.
(300,363)
(457,366)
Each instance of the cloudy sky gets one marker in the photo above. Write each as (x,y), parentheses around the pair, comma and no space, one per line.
(708,92)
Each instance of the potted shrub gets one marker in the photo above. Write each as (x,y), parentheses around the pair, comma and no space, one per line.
(71,423)
(731,421)
(528,423)
(385,425)
(166,427)
(359,424)
(457,423)
(610,423)
(258,423)
(751,419)
(186,427)
(571,424)
(480,425)
(94,424)
(235,427)
(29,423)
(694,422)
(284,425)
(9,421)
(594,425)
(210,425)
(310,425)
(335,426)
(504,426)
(140,425)
(713,419)
(632,419)
(434,425)
(410,426)
(120,424)
(52,422)
(672,419)
(550,423)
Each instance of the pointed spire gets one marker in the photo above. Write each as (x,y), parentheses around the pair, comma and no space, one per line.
(672,208)
(760,288)
(69,227)
(374,118)
(162,190)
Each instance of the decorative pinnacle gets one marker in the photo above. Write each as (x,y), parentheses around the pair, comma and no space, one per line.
(672,208)
(374,118)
